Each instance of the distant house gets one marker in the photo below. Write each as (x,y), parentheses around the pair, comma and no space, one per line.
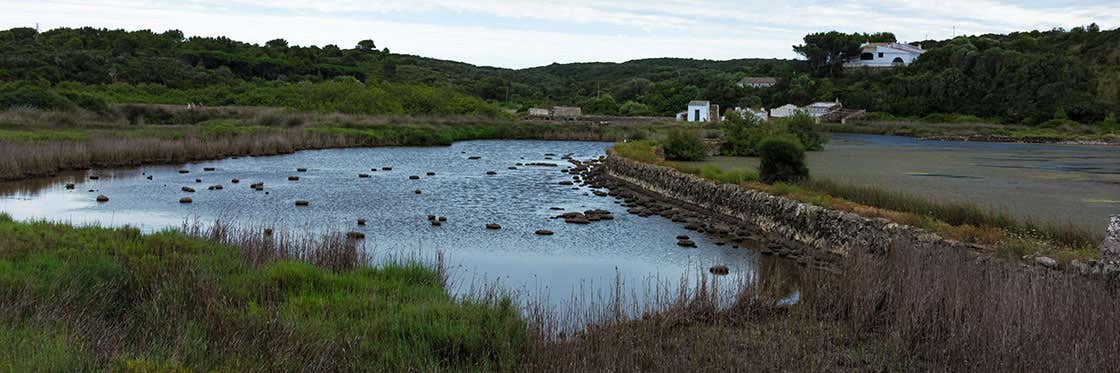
(761,114)
(566,112)
(787,110)
(537,112)
(699,111)
(757,82)
(820,109)
(887,55)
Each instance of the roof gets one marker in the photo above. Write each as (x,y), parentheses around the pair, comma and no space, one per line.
(899,46)
(759,80)
(699,103)
(825,104)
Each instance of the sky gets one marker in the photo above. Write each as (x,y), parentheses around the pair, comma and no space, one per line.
(541,32)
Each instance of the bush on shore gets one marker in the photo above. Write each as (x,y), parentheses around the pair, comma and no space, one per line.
(781,159)
(682,145)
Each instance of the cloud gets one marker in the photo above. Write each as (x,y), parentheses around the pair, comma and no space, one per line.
(530,33)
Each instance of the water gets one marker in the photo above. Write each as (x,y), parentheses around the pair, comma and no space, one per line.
(1062,184)
(579,260)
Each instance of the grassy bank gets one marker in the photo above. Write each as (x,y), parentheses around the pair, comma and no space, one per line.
(37,143)
(96,298)
(978,131)
(1005,234)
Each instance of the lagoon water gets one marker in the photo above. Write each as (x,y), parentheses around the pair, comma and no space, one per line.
(1062,184)
(579,260)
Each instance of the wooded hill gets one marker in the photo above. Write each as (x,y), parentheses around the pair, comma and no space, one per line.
(1025,77)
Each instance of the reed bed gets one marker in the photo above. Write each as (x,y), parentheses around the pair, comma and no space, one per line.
(38,143)
(913,310)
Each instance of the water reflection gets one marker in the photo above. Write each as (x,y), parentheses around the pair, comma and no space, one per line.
(585,260)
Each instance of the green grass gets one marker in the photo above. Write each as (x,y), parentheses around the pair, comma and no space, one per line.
(100,297)
(636,150)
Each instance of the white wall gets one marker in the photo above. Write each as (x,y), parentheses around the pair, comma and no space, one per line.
(704,113)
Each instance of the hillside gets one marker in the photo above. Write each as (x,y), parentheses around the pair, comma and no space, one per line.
(1027,77)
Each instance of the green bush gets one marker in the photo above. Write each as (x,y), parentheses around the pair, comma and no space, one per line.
(782,160)
(807,130)
(682,145)
(22,94)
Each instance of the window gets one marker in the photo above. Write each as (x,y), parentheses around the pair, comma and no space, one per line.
(866,56)
(880,54)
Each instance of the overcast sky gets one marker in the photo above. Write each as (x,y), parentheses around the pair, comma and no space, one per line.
(540,32)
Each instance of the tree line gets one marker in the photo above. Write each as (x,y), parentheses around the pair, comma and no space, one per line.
(1028,77)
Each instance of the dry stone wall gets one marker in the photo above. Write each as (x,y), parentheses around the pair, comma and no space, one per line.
(816,228)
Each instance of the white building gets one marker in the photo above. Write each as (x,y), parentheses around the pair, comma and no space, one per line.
(819,109)
(761,114)
(885,55)
(699,111)
(787,110)
(538,112)
(757,82)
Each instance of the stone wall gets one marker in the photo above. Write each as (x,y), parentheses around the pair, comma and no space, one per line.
(822,230)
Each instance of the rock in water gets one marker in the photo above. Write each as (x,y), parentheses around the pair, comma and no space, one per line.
(544,232)
(102,198)
(493,226)
(719,270)
(185,200)
(1110,249)
(302,203)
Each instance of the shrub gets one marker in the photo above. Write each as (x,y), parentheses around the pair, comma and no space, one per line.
(807,130)
(742,134)
(782,160)
(684,146)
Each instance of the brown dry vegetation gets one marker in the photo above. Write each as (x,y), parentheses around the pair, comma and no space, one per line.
(37,143)
(916,309)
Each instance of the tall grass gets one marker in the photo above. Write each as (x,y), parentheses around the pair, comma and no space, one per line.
(917,309)
(967,313)
(98,298)
(30,147)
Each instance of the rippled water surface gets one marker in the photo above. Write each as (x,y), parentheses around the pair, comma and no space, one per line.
(577,260)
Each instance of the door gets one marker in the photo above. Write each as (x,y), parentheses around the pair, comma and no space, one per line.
(697,116)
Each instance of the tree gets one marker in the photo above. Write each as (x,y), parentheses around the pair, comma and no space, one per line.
(805,127)
(366,45)
(276,43)
(827,50)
